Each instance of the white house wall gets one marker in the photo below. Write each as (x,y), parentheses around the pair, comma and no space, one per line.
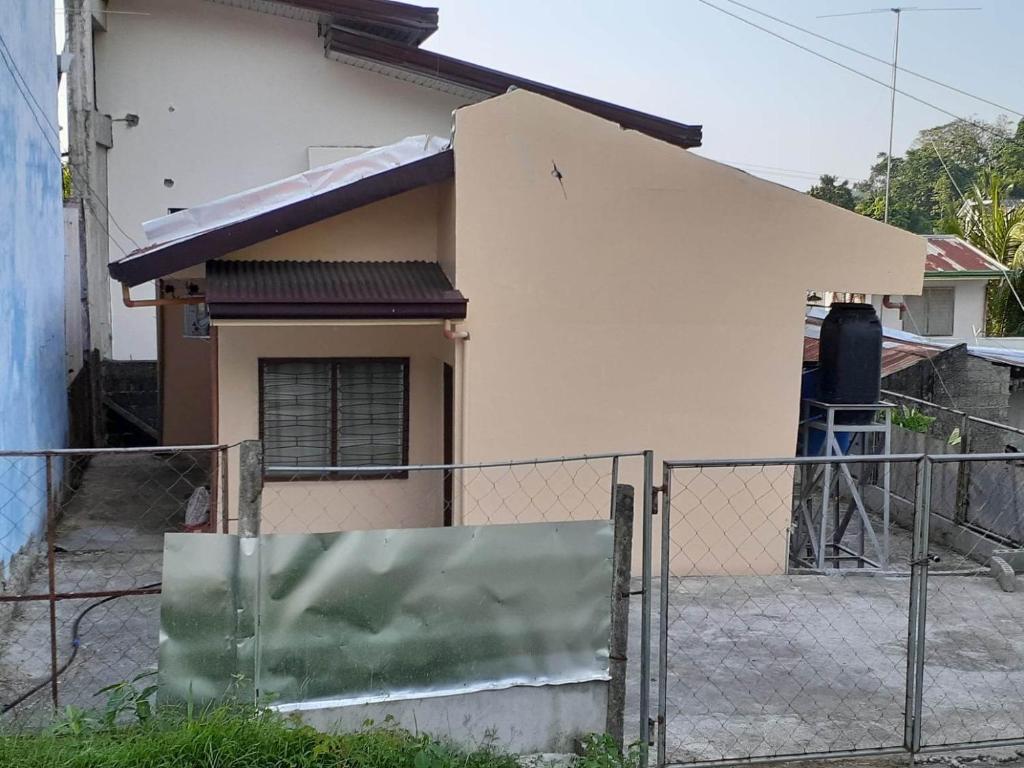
(968,311)
(968,307)
(228,99)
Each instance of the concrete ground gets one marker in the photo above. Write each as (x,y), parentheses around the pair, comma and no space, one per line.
(761,666)
(110,536)
(757,666)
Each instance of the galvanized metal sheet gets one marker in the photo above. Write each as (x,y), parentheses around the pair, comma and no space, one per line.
(371,615)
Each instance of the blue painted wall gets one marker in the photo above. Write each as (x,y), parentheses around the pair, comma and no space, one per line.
(33,401)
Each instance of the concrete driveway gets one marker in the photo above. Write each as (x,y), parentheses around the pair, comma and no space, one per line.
(761,666)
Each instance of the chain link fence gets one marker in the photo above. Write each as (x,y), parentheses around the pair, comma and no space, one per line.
(802,615)
(971,674)
(83,530)
(323,499)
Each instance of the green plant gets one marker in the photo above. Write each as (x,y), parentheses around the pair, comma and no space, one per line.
(125,697)
(601,751)
(232,735)
(912,419)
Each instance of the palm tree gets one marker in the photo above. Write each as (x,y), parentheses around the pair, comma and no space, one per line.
(989,222)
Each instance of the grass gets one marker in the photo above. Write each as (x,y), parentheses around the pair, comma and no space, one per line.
(232,738)
(240,738)
(127,733)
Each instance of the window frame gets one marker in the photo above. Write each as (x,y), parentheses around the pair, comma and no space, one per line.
(927,292)
(301,473)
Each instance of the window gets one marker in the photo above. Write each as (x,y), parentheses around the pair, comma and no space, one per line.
(335,413)
(931,313)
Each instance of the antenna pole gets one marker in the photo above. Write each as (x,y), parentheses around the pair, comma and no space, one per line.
(892,112)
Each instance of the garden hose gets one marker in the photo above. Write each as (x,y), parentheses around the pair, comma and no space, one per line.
(75,643)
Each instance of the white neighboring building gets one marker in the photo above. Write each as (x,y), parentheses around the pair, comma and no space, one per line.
(176,103)
(952,306)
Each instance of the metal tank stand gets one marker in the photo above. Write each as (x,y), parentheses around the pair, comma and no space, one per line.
(831,494)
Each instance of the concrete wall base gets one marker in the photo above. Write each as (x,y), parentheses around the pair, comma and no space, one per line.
(522,719)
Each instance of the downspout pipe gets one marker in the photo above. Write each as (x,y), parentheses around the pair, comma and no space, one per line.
(453,335)
(888,303)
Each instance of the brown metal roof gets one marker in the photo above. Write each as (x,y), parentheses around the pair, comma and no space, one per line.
(896,355)
(950,256)
(331,289)
(490,82)
(401,22)
(162,259)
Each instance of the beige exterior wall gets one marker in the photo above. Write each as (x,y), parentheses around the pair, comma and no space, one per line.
(228,99)
(446,229)
(652,299)
(401,228)
(297,507)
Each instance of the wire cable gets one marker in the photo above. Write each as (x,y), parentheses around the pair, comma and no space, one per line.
(865,75)
(45,127)
(879,59)
(76,642)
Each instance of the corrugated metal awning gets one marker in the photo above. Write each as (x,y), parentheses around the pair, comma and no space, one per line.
(331,290)
(950,256)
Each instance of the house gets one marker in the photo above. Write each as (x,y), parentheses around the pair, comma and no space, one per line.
(174,104)
(952,305)
(551,279)
(33,368)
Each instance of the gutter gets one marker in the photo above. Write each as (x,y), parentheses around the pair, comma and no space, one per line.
(174,301)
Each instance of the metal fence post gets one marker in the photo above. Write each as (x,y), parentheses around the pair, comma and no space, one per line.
(250,487)
(645,611)
(224,489)
(51,568)
(663,587)
(618,644)
(918,608)
(963,474)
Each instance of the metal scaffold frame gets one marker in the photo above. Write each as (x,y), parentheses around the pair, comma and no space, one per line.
(830,492)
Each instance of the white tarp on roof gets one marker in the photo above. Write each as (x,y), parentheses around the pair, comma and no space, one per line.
(253,202)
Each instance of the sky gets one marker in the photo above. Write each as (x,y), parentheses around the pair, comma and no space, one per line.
(763,103)
(766,106)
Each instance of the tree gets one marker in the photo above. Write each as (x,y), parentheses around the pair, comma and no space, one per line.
(990,221)
(942,160)
(838,194)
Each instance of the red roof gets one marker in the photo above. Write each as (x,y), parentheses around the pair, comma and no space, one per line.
(953,256)
(896,355)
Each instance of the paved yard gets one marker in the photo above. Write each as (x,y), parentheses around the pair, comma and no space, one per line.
(784,664)
(110,536)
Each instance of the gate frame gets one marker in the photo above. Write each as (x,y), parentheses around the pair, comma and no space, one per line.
(917,608)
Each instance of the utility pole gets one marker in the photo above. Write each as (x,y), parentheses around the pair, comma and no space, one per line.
(898,13)
(892,111)
(89,138)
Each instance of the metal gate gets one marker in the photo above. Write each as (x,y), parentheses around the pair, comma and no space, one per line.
(761,658)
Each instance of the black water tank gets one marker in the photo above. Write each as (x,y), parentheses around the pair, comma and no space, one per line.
(850,359)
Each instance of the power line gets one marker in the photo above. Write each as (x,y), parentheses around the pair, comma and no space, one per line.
(44,124)
(848,68)
(795,171)
(878,59)
(946,169)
